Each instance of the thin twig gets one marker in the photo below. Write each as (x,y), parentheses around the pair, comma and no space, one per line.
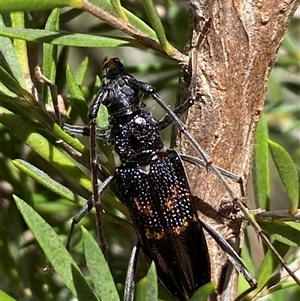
(128,29)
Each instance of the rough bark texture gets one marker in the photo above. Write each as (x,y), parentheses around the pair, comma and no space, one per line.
(233,65)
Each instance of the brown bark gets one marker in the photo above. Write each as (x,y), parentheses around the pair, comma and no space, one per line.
(233,65)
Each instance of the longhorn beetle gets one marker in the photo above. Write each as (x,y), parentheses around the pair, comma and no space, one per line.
(152,182)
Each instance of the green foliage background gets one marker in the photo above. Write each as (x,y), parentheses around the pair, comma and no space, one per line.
(35,165)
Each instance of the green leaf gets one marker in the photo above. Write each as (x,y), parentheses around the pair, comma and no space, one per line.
(247,257)
(103,116)
(279,290)
(26,133)
(285,232)
(267,267)
(5,297)
(21,5)
(157,25)
(20,46)
(9,55)
(77,96)
(134,21)
(287,172)
(260,172)
(11,83)
(266,270)
(98,268)
(66,38)
(140,291)
(48,182)
(83,289)
(81,71)
(119,9)
(27,107)
(50,51)
(203,293)
(54,249)
(151,287)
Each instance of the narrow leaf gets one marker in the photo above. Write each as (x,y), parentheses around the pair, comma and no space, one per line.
(98,268)
(151,287)
(11,83)
(261,178)
(287,172)
(51,244)
(21,5)
(157,25)
(48,182)
(9,55)
(248,261)
(77,96)
(285,232)
(28,109)
(140,292)
(133,19)
(5,297)
(119,9)
(26,133)
(268,266)
(66,38)
(83,289)
(49,50)
(203,293)
(20,46)
(266,270)
(81,71)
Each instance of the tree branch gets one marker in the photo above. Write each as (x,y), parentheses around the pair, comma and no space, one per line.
(234,62)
